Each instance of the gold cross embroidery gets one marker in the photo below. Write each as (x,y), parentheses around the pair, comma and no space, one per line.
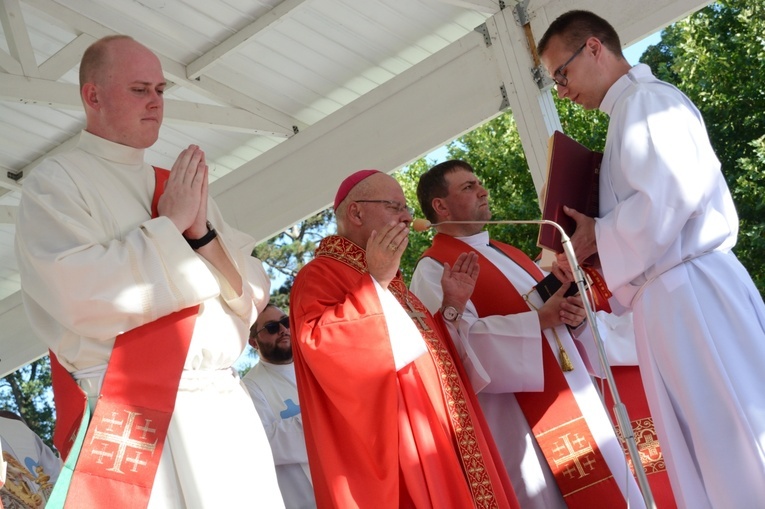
(416,315)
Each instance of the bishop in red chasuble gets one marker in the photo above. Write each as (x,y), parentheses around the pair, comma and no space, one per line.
(390,419)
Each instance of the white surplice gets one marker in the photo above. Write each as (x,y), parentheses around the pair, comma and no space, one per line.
(94,264)
(665,233)
(273,390)
(503,355)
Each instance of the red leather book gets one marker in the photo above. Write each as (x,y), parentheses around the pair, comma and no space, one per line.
(573,172)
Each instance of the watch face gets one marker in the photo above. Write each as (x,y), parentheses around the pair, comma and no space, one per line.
(450,313)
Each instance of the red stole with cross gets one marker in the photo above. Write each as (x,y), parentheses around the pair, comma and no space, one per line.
(582,474)
(123,444)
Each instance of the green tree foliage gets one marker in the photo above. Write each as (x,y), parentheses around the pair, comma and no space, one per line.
(717,57)
(494,151)
(27,393)
(285,254)
(418,242)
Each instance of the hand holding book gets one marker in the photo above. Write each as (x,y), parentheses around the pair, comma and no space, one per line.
(573,174)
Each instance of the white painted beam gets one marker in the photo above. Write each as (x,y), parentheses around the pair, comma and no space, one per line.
(66,58)
(17,37)
(8,63)
(80,23)
(8,183)
(207,86)
(272,18)
(221,117)
(533,110)
(67,96)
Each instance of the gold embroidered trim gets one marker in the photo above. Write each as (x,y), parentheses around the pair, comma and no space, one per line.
(648,445)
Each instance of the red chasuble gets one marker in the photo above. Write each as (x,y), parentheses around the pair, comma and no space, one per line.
(582,474)
(378,438)
(122,446)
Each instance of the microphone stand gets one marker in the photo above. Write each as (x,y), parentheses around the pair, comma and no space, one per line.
(620,411)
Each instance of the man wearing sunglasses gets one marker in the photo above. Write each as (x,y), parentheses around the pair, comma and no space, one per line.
(664,234)
(271,384)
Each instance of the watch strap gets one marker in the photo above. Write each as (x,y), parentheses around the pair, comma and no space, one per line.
(204,240)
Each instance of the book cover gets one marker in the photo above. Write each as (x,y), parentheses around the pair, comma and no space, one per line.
(551,284)
(573,173)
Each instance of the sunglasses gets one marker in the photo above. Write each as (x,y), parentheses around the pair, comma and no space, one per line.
(274,327)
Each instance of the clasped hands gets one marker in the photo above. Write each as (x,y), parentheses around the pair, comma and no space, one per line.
(184,200)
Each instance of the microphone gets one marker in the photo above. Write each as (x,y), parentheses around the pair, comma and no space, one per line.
(622,418)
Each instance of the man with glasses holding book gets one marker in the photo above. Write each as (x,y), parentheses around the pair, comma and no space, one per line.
(272,387)
(664,234)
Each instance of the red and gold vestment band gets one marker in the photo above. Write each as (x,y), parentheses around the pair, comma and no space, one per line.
(122,446)
(581,472)
(630,387)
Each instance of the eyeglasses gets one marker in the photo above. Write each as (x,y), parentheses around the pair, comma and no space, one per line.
(274,327)
(559,76)
(394,206)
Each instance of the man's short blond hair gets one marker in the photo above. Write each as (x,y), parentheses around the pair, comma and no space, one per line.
(96,58)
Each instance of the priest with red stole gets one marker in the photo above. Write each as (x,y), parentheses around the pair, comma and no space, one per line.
(390,418)
(527,358)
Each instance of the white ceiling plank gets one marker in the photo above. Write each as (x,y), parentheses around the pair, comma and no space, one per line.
(73,19)
(486,6)
(66,59)
(632,20)
(17,37)
(241,37)
(8,214)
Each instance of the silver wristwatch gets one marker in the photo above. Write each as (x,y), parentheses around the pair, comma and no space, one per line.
(451,314)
